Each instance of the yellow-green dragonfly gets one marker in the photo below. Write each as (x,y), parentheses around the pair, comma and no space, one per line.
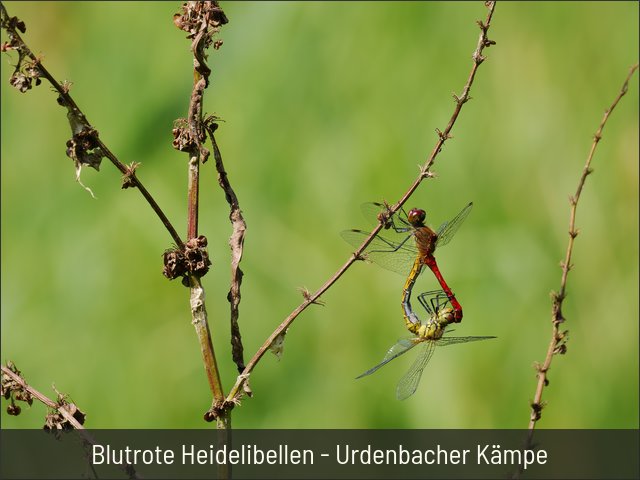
(429,335)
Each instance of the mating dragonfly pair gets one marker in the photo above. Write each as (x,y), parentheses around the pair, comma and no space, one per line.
(407,245)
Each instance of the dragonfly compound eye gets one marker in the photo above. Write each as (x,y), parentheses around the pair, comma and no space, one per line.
(416,216)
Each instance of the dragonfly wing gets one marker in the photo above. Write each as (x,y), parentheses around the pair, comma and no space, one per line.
(397,255)
(448,229)
(408,384)
(401,346)
(444,341)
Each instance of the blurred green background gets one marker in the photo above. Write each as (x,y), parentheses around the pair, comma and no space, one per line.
(326,106)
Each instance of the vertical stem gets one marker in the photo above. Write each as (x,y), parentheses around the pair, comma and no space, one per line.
(558,338)
(193,197)
(199,320)
(198,154)
(202,20)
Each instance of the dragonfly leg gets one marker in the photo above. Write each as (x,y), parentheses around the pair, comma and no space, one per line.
(393,247)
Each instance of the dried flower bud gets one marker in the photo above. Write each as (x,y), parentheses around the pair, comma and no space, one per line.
(84,148)
(20,81)
(174,265)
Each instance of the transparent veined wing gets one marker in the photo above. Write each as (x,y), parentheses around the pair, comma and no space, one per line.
(448,229)
(400,347)
(394,247)
(444,341)
(395,254)
(408,384)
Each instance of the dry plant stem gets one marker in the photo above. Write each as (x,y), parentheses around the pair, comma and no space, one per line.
(73,108)
(236,243)
(558,337)
(198,310)
(46,400)
(201,16)
(443,136)
(68,416)
(197,155)
(199,320)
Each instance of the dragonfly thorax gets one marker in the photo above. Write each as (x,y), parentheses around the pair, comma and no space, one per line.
(434,327)
(432,330)
(426,240)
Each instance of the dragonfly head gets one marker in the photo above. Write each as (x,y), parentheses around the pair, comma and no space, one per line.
(416,217)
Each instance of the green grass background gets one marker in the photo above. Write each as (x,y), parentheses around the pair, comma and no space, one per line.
(326,106)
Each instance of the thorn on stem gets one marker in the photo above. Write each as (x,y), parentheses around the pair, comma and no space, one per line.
(425,172)
(361,257)
(556,297)
(445,136)
(66,86)
(306,294)
(566,267)
(127,178)
(562,336)
(478,58)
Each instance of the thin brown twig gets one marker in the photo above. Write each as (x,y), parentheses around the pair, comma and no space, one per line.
(63,407)
(76,115)
(443,136)
(236,393)
(42,398)
(558,337)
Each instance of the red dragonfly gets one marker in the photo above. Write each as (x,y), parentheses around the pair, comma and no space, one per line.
(395,251)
